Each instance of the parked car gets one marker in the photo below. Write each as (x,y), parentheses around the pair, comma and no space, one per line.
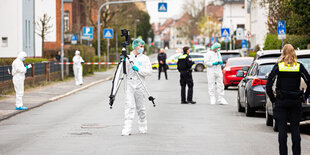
(251,89)
(229,54)
(267,54)
(304,58)
(233,65)
(197,58)
(199,48)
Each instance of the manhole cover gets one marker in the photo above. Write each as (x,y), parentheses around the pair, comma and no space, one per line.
(93,125)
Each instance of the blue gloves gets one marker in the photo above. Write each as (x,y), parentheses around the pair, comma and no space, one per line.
(135,68)
(221,62)
(215,63)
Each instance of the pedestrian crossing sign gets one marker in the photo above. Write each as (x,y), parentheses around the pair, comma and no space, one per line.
(225,32)
(108,33)
(162,7)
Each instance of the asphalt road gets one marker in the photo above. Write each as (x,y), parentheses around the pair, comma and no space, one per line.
(84,124)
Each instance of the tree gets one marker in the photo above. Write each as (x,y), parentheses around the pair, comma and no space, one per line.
(194,8)
(296,14)
(43,28)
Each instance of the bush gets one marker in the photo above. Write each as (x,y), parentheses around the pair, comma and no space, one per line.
(9,61)
(272,41)
(87,53)
(51,53)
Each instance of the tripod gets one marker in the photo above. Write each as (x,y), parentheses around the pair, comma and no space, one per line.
(119,76)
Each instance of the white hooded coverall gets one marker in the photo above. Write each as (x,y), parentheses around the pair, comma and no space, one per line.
(135,97)
(77,68)
(215,77)
(18,72)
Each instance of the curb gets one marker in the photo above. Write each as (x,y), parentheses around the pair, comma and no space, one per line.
(9,115)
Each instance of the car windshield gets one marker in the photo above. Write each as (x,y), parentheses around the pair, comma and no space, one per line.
(240,62)
(225,56)
(264,69)
(305,62)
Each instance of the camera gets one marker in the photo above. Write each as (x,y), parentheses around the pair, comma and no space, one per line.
(125,33)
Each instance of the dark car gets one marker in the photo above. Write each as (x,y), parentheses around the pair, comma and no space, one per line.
(251,89)
(229,54)
(267,54)
(304,58)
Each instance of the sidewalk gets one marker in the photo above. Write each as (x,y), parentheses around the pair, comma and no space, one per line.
(42,95)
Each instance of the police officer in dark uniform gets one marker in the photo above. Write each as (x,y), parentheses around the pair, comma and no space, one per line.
(162,66)
(185,68)
(288,99)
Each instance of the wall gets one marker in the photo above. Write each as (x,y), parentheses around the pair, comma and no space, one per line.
(52,9)
(11,27)
(259,27)
(233,14)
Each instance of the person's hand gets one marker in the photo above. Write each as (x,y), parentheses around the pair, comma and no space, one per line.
(29,66)
(215,63)
(135,68)
(221,62)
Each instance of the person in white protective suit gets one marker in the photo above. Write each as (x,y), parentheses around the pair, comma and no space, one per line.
(18,72)
(135,92)
(77,68)
(214,62)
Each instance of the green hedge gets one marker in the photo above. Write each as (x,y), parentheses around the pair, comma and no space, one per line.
(87,53)
(9,61)
(272,41)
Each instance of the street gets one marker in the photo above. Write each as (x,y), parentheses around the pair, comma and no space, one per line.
(83,124)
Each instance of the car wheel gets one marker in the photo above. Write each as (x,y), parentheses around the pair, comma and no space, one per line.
(240,109)
(226,87)
(248,110)
(275,126)
(199,68)
(269,119)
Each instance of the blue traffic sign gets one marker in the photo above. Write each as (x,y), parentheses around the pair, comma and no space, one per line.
(225,32)
(244,43)
(281,27)
(88,32)
(162,7)
(108,33)
(73,38)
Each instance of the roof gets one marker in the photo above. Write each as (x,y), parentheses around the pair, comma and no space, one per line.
(184,20)
(224,51)
(215,11)
(266,61)
(233,1)
(303,52)
(240,58)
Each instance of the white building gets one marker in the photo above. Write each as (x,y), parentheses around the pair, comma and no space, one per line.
(233,14)
(17,28)
(256,22)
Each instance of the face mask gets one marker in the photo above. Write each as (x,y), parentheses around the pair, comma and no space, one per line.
(218,49)
(140,50)
(23,59)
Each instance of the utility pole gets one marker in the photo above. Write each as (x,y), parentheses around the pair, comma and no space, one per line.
(62,40)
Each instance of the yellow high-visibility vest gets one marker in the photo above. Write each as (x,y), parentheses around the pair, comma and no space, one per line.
(288,68)
(183,56)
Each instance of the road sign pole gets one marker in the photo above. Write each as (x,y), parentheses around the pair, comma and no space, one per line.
(108,53)
(281,45)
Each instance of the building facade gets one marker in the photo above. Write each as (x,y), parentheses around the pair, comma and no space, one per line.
(234,14)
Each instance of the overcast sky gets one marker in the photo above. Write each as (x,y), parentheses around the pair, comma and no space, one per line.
(174,10)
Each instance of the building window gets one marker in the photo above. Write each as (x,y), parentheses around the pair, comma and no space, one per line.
(240,26)
(4,42)
(66,21)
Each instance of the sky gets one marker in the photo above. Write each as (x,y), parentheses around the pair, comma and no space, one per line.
(174,10)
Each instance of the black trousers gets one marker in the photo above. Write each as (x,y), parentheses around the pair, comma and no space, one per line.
(162,67)
(186,79)
(288,110)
